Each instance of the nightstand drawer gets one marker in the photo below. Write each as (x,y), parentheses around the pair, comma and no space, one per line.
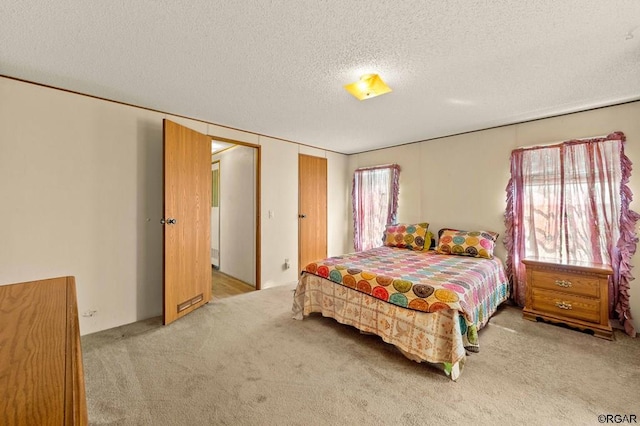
(562,304)
(581,285)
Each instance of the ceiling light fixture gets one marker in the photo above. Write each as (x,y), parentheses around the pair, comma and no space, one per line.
(369,86)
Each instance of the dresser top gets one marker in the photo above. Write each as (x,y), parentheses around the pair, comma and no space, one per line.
(598,268)
(38,332)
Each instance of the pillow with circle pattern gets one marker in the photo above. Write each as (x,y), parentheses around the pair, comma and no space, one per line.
(410,236)
(466,243)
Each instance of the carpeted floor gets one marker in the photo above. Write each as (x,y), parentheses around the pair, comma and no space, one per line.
(244,361)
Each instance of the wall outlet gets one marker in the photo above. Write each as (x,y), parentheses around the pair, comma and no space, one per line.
(287,264)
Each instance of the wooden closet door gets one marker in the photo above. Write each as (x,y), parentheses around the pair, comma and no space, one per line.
(312,209)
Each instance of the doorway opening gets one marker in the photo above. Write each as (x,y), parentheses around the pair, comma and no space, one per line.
(235,217)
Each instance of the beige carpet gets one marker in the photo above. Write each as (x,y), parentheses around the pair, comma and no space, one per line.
(244,361)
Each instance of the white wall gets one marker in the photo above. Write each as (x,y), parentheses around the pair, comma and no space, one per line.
(280,197)
(338,204)
(237,212)
(81,188)
(460,181)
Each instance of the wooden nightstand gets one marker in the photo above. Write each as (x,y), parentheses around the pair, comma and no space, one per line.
(575,294)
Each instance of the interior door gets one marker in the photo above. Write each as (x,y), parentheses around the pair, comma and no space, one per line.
(187,216)
(312,209)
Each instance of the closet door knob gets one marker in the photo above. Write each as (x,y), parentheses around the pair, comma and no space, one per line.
(302,216)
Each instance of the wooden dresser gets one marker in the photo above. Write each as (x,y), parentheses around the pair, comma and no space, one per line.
(575,294)
(41,378)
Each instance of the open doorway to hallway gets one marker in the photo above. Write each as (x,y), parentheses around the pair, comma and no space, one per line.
(235,256)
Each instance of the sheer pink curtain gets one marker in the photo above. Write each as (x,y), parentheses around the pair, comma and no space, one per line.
(375,204)
(570,202)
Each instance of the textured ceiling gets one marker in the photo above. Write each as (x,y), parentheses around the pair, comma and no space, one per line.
(278,67)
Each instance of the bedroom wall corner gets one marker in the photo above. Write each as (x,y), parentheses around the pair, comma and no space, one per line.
(461,179)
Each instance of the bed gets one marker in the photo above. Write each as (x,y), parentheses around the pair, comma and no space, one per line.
(429,304)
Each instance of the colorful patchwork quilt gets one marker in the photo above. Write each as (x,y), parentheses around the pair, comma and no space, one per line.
(423,281)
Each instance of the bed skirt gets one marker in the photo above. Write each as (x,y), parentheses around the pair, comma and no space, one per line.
(420,336)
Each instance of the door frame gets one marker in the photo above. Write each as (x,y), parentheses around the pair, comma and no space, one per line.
(257,201)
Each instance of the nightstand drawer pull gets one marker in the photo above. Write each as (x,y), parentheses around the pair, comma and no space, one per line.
(563,283)
(564,305)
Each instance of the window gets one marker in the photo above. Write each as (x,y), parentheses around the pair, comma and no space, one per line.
(375,204)
(569,202)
